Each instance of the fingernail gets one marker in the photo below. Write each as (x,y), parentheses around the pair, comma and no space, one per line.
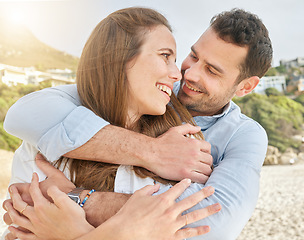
(5,208)
(10,189)
(210,190)
(217,207)
(187,180)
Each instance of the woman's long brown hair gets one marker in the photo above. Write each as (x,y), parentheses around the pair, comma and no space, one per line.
(103,88)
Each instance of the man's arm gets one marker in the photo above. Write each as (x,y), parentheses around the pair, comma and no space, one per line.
(102,205)
(53,121)
(236,183)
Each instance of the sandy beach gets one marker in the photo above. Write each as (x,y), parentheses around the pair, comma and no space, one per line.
(279,214)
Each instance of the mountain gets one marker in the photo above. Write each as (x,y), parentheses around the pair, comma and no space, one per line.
(19,47)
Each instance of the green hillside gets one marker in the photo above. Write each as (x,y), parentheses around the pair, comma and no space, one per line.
(19,47)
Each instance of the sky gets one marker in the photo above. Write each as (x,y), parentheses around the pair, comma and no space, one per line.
(67,24)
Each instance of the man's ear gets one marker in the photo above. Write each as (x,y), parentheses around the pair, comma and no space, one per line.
(247,85)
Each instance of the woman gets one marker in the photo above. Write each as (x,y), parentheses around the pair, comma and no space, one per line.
(126,75)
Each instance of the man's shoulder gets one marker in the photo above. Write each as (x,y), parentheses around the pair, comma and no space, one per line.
(240,120)
(68,92)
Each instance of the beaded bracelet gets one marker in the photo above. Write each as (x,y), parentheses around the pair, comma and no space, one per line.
(86,197)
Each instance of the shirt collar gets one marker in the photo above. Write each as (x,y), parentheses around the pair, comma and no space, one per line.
(207,121)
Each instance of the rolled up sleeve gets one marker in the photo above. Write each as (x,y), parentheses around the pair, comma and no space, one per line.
(53,121)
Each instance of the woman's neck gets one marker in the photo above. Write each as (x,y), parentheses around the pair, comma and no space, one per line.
(132,119)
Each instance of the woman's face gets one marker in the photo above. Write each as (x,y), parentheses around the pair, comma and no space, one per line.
(152,73)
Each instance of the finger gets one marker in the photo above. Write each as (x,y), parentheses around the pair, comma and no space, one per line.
(18,203)
(18,219)
(202,168)
(148,190)
(21,187)
(205,146)
(10,236)
(22,235)
(187,129)
(45,166)
(35,191)
(7,219)
(206,158)
(177,189)
(198,177)
(60,199)
(201,213)
(7,201)
(194,199)
(192,232)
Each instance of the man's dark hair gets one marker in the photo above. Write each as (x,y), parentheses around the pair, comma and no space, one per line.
(246,30)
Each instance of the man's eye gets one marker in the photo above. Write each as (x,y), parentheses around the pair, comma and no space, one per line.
(210,71)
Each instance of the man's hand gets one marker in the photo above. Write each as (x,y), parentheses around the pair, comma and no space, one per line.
(177,157)
(172,155)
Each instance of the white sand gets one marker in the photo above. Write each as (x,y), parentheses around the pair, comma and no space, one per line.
(279,214)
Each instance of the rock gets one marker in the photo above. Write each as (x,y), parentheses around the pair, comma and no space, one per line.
(272,156)
(271,160)
(301,157)
(288,157)
(273,151)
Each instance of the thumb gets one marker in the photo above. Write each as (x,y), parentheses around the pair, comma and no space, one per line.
(59,198)
(187,129)
(45,166)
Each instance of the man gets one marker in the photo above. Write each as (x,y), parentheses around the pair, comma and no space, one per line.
(227,60)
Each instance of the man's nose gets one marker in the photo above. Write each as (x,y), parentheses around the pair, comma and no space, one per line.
(192,73)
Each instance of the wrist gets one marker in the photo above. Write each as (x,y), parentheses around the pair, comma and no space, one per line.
(83,194)
(148,153)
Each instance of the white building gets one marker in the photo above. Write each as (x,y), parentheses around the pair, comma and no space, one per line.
(296,84)
(12,76)
(298,62)
(277,82)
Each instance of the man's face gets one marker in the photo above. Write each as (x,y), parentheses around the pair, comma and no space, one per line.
(209,73)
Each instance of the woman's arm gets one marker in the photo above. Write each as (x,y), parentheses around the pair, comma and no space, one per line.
(143,217)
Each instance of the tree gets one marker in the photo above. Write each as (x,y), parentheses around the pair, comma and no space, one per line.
(280,116)
(273,92)
(271,72)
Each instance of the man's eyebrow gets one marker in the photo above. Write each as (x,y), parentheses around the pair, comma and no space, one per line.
(217,68)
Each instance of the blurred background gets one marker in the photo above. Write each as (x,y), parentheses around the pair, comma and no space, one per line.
(41,42)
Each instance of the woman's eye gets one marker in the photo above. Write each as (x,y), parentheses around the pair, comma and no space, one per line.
(193,56)
(166,55)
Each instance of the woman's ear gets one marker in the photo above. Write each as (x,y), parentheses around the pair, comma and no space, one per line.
(247,85)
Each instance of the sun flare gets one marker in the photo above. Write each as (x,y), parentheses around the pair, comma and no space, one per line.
(17,18)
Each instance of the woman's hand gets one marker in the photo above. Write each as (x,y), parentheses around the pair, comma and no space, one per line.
(159,217)
(63,219)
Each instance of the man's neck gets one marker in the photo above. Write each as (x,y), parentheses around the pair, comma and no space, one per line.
(195,113)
